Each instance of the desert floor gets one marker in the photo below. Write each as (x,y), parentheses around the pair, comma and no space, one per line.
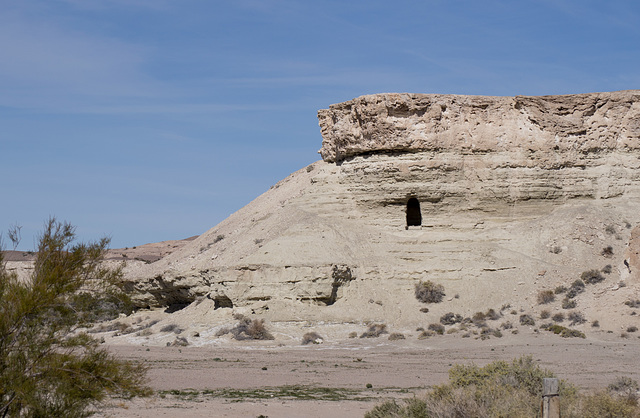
(250,379)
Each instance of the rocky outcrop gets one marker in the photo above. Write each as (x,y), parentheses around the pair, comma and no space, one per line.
(514,195)
(572,124)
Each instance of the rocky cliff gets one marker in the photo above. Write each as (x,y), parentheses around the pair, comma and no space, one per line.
(561,128)
(513,195)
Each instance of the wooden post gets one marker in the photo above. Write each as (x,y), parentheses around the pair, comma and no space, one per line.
(550,398)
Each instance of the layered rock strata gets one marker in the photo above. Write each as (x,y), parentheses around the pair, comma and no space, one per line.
(513,194)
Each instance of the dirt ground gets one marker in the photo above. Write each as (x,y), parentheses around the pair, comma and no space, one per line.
(247,379)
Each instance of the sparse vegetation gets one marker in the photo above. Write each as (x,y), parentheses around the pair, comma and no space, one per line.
(559,290)
(625,387)
(503,389)
(607,251)
(171,328)
(247,329)
(506,325)
(429,292)
(450,319)
(218,238)
(595,324)
(607,269)
(610,229)
(563,331)
(568,303)
(576,318)
(312,338)
(375,331)
(592,276)
(633,303)
(632,328)
(437,328)
(545,314)
(396,336)
(546,296)
(527,320)
(559,317)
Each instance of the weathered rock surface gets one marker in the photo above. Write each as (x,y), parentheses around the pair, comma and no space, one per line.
(516,195)
(560,127)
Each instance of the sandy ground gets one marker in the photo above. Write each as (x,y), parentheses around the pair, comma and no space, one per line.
(394,369)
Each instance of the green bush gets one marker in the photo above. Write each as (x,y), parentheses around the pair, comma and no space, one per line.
(507,389)
(429,292)
(48,367)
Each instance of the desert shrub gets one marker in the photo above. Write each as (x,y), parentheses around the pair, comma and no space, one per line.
(498,389)
(311,338)
(568,303)
(546,296)
(396,336)
(545,314)
(48,367)
(555,249)
(388,409)
(607,251)
(626,387)
(99,307)
(595,324)
(144,333)
(633,303)
(603,404)
(218,238)
(426,334)
(576,318)
(632,328)
(563,331)
(492,315)
(375,331)
(429,292)
(506,325)
(247,329)
(171,328)
(559,290)
(179,342)
(424,310)
(527,320)
(607,269)
(450,318)
(559,317)
(592,276)
(478,316)
(437,328)
(610,229)
(353,334)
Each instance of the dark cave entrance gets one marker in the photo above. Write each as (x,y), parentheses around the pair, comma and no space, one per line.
(414,217)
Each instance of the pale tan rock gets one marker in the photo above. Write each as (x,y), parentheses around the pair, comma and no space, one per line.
(507,187)
(583,123)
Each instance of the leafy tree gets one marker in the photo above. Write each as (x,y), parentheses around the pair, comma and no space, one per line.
(48,366)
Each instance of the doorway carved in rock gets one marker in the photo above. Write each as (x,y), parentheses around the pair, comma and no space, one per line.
(414,217)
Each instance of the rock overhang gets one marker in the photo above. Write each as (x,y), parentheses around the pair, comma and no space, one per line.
(404,122)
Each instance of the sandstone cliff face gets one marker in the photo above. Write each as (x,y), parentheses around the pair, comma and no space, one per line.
(515,195)
(560,127)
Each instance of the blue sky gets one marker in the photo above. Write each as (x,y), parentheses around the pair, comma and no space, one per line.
(149,120)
